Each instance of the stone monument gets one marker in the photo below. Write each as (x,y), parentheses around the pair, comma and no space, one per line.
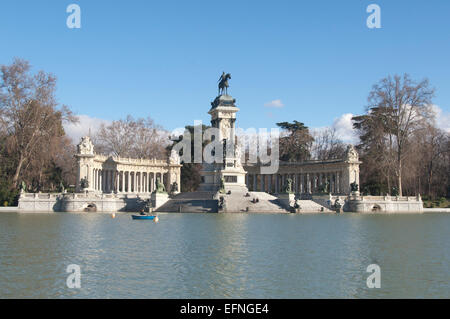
(228,173)
(85,157)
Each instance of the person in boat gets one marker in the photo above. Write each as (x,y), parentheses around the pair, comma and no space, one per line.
(142,212)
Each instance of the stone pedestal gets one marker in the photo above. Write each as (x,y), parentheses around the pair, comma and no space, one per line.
(286,200)
(159,199)
(229,169)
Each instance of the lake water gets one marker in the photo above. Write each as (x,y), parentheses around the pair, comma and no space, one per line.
(224,256)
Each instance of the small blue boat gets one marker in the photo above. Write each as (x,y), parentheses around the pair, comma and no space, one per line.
(151,217)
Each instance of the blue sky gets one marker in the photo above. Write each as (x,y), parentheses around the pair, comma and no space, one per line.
(163,58)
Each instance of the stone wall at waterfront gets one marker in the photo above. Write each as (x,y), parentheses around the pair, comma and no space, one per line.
(388,204)
(80,202)
(371,204)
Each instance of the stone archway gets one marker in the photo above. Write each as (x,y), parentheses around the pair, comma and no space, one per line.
(376,208)
(91,207)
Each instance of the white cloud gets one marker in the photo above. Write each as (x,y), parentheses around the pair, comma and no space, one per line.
(442,118)
(274,103)
(80,129)
(344,128)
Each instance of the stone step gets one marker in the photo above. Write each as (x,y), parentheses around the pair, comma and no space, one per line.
(238,202)
(309,206)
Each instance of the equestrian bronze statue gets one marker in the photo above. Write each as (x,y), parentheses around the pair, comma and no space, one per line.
(223,83)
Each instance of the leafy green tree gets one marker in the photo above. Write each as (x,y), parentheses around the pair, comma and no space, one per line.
(190,172)
(296,143)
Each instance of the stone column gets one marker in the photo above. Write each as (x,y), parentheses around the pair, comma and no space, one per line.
(150,185)
(135,189)
(338,188)
(110,181)
(140,182)
(93,179)
(308,184)
(269,183)
(150,182)
(333,179)
(255,182)
(108,172)
(105,180)
(145,182)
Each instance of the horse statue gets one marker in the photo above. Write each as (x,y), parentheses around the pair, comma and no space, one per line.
(223,83)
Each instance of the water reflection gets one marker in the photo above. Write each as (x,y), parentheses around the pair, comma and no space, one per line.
(224,256)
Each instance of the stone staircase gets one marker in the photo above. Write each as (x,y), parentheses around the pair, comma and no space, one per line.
(310,206)
(237,202)
(191,202)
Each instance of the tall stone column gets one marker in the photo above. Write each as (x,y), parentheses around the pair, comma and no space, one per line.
(338,183)
(110,181)
(130,182)
(93,179)
(145,182)
(308,184)
(333,177)
(108,174)
(105,181)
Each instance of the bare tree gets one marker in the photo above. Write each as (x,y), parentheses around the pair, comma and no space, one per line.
(29,111)
(327,145)
(406,104)
(433,165)
(140,138)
